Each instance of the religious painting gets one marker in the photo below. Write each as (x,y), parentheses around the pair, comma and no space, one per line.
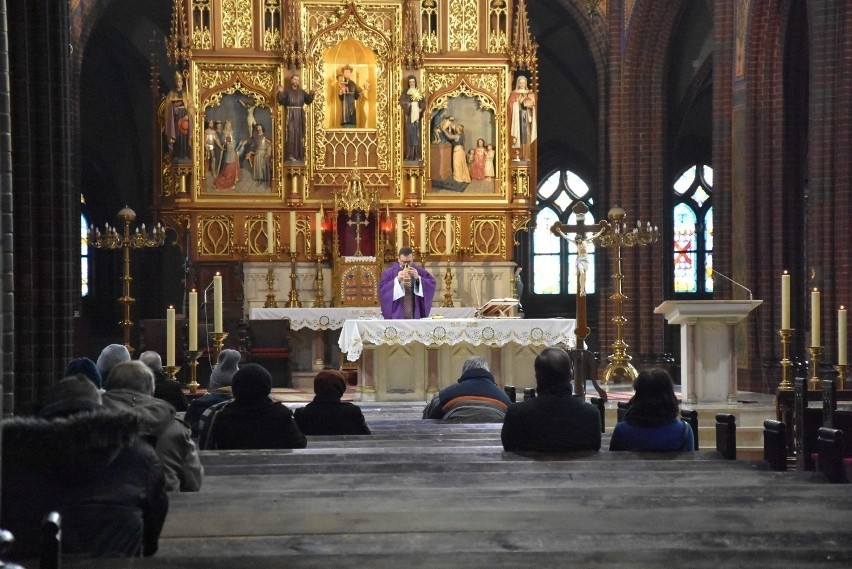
(349,85)
(463,147)
(237,137)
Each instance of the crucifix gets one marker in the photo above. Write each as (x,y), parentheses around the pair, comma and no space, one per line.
(358,223)
(583,358)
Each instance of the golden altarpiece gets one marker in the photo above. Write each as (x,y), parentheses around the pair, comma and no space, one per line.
(426,107)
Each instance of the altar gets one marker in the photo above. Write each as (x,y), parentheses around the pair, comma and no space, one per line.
(317,328)
(407,360)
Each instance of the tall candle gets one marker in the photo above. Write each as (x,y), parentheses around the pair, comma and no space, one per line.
(217,303)
(815,318)
(270,234)
(170,336)
(292,231)
(449,227)
(424,245)
(841,336)
(785,301)
(193,321)
(318,234)
(398,231)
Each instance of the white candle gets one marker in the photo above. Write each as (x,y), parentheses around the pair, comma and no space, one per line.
(217,303)
(785,301)
(270,234)
(424,245)
(292,231)
(318,233)
(170,336)
(398,231)
(193,321)
(841,336)
(815,318)
(449,227)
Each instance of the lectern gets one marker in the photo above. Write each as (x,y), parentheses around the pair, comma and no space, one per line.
(708,352)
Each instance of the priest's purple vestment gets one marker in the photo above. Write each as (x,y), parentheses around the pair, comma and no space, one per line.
(424,291)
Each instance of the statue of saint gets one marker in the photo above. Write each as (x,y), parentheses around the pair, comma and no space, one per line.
(412,107)
(294,100)
(178,121)
(523,125)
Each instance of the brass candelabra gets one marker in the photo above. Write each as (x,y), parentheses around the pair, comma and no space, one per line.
(615,233)
(815,353)
(171,371)
(786,334)
(127,240)
(841,375)
(319,297)
(192,362)
(270,285)
(448,286)
(294,294)
(218,343)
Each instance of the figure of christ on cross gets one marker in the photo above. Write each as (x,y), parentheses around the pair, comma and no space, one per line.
(358,222)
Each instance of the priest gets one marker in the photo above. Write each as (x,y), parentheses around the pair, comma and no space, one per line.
(406,290)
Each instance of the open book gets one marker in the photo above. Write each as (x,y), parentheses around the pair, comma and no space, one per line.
(498,308)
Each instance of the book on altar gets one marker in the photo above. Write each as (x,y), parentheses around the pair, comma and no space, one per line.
(498,308)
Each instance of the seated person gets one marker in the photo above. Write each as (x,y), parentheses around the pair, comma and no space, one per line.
(253,420)
(86,367)
(651,422)
(164,388)
(110,357)
(475,398)
(91,466)
(327,414)
(555,421)
(130,389)
(218,390)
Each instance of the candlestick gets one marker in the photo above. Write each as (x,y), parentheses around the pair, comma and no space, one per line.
(218,342)
(292,231)
(193,321)
(398,231)
(785,301)
(815,352)
(171,371)
(170,336)
(294,294)
(217,303)
(270,286)
(270,234)
(424,245)
(841,336)
(841,375)
(192,361)
(318,233)
(449,221)
(815,339)
(786,364)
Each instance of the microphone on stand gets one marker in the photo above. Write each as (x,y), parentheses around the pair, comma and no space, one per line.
(206,290)
(745,288)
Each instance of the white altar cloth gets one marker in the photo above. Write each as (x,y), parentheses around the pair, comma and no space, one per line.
(333,318)
(494,332)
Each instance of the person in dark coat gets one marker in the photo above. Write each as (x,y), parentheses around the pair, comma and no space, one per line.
(91,466)
(555,421)
(475,398)
(218,390)
(253,420)
(166,389)
(327,414)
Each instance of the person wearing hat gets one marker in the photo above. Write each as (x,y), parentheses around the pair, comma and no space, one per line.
(168,390)
(253,420)
(218,390)
(327,414)
(110,357)
(87,368)
(88,464)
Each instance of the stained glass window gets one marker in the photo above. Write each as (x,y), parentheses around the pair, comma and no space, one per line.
(554,258)
(692,231)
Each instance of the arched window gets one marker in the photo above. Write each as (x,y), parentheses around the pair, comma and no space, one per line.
(84,251)
(692,231)
(554,259)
